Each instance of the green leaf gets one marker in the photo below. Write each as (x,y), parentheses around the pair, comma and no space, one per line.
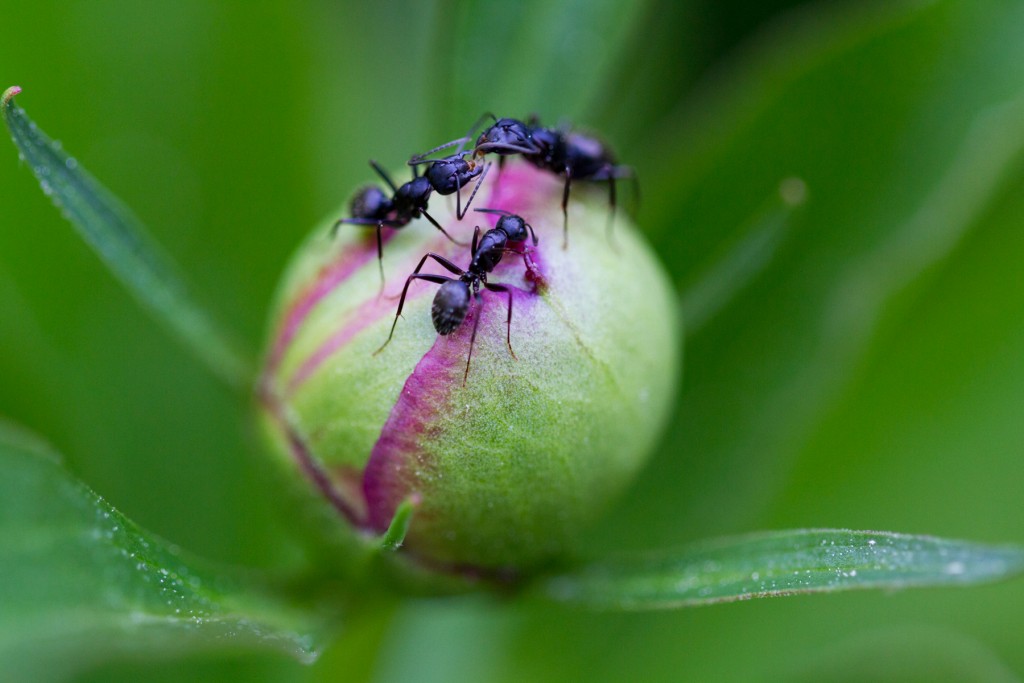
(82,582)
(123,244)
(901,172)
(554,64)
(784,563)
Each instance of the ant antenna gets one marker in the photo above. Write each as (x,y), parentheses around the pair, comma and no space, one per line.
(422,158)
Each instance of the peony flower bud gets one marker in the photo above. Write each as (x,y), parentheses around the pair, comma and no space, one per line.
(505,460)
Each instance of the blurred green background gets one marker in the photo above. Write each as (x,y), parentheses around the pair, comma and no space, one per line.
(858,362)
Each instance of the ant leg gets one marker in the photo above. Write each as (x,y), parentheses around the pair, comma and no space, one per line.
(612,174)
(388,223)
(355,221)
(532,271)
(611,214)
(369,222)
(460,213)
(619,172)
(476,239)
(445,263)
(334,228)
(628,172)
(384,175)
(438,279)
(448,265)
(438,226)
(458,199)
(531,266)
(508,323)
(477,314)
(532,233)
(565,208)
(380,257)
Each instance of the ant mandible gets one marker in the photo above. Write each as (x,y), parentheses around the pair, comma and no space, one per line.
(452,301)
(372,207)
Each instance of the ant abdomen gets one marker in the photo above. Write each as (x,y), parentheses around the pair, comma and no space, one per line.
(451,303)
(370,202)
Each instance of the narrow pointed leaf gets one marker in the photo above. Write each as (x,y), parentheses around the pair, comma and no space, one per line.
(124,245)
(784,563)
(82,582)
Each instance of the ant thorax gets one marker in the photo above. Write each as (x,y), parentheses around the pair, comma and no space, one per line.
(489,251)
(413,195)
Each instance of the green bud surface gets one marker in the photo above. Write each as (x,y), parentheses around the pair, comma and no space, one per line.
(504,463)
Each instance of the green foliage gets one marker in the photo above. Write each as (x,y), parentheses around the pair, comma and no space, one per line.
(120,240)
(781,563)
(81,582)
(857,365)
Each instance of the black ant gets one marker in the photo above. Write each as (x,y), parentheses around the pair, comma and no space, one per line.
(371,206)
(569,154)
(452,301)
(450,174)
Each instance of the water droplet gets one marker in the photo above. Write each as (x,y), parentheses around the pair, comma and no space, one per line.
(71,163)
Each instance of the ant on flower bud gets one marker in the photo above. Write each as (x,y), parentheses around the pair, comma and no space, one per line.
(372,207)
(452,301)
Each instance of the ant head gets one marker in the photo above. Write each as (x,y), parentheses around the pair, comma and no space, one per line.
(452,173)
(506,135)
(370,202)
(513,226)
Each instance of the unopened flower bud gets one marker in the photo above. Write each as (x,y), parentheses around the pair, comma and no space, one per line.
(505,454)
